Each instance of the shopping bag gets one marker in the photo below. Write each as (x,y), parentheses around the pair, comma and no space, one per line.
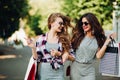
(109,64)
(31,70)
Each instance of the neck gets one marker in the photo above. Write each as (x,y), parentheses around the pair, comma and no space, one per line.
(52,37)
(89,34)
(52,33)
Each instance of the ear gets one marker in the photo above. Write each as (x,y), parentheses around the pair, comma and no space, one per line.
(52,25)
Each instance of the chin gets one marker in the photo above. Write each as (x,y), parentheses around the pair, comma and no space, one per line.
(85,30)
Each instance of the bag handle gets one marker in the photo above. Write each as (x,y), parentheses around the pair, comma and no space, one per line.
(112,41)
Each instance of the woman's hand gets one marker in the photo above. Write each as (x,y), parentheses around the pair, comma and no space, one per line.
(54,52)
(109,38)
(30,42)
(57,53)
(113,35)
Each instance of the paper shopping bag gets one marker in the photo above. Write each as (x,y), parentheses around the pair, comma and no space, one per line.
(31,70)
(109,64)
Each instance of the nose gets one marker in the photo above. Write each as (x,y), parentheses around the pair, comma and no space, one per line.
(83,25)
(62,25)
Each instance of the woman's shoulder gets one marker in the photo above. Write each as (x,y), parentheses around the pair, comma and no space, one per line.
(40,37)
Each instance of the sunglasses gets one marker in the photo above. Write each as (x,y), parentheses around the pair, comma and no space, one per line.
(61,23)
(85,23)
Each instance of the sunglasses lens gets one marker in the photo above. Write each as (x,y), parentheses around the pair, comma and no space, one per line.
(60,23)
(85,23)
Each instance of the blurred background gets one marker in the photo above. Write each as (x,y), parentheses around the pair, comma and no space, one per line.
(21,19)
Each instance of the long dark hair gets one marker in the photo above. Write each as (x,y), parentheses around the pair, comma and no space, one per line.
(78,32)
(64,37)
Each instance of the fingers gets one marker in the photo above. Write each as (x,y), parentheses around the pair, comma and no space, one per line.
(108,40)
(30,42)
(112,36)
(52,52)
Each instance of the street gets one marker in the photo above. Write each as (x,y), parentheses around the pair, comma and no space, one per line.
(13,64)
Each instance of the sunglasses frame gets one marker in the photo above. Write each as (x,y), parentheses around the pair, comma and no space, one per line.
(61,23)
(85,23)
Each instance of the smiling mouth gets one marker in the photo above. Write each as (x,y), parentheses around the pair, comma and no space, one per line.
(85,27)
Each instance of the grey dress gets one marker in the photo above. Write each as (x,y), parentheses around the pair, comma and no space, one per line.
(82,68)
(46,71)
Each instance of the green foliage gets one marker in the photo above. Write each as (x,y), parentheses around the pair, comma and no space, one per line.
(33,22)
(101,8)
(10,13)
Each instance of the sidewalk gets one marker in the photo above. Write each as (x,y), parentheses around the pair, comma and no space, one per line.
(13,62)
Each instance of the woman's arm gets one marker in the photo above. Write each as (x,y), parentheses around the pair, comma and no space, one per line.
(64,55)
(34,53)
(71,58)
(31,44)
(101,51)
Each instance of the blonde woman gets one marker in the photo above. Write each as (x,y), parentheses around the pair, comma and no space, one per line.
(53,48)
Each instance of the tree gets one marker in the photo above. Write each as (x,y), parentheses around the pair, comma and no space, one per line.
(33,22)
(10,13)
(101,8)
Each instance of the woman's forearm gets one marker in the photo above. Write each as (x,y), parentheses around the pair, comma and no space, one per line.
(34,53)
(101,52)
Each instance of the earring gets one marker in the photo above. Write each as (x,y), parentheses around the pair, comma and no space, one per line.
(92,32)
(85,32)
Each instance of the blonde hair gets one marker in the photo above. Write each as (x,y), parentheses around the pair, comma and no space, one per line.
(64,37)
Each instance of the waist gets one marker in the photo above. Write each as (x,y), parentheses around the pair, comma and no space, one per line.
(83,62)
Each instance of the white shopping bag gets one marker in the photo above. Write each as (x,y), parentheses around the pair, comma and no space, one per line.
(117,74)
(31,70)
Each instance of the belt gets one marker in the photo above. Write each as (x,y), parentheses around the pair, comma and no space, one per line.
(83,62)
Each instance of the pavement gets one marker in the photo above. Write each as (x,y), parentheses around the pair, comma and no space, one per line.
(13,64)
